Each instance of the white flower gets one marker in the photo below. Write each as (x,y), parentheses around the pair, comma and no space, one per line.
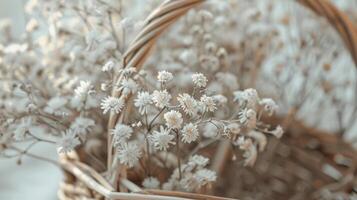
(55,105)
(81,125)
(188,183)
(278,132)
(161,98)
(228,79)
(251,97)
(247,98)
(269,105)
(121,133)
(199,160)
(187,103)
(208,104)
(259,138)
(164,76)
(199,80)
(240,141)
(209,62)
(250,151)
(129,154)
(205,176)
(143,101)
(108,66)
(210,131)
(220,99)
(104,87)
(67,142)
(189,133)
(23,128)
(247,117)
(128,86)
(162,139)
(84,89)
(239,96)
(128,71)
(234,128)
(173,119)
(151,183)
(112,104)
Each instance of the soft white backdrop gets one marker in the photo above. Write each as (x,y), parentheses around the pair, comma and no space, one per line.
(33,180)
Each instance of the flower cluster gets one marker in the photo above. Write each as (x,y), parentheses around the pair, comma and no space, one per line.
(64,86)
(164,120)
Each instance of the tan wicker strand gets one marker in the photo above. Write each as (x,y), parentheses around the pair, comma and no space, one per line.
(157,22)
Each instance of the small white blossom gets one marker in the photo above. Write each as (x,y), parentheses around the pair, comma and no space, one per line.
(210,131)
(247,117)
(199,80)
(205,176)
(187,103)
(82,125)
(189,133)
(228,79)
(151,183)
(104,87)
(259,138)
(162,139)
(278,132)
(199,160)
(128,71)
(129,154)
(250,156)
(161,98)
(112,104)
(234,128)
(143,101)
(164,76)
(252,97)
(173,119)
(67,142)
(250,151)
(23,128)
(55,105)
(239,96)
(121,133)
(247,98)
(208,104)
(109,66)
(220,99)
(137,124)
(84,89)
(269,105)
(128,86)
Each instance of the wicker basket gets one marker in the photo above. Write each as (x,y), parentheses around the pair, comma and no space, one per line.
(309,156)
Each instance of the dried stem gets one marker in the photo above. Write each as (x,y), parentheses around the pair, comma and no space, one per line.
(25,152)
(178,153)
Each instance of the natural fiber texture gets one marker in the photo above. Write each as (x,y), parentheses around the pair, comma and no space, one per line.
(85,183)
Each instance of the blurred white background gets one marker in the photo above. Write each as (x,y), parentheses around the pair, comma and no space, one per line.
(33,180)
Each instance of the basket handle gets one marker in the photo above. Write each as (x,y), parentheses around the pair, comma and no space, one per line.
(169,11)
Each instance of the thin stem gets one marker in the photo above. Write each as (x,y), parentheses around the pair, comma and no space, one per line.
(153,120)
(178,153)
(114,33)
(148,155)
(23,152)
(41,139)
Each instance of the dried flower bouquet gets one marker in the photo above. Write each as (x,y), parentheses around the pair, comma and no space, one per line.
(147,130)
